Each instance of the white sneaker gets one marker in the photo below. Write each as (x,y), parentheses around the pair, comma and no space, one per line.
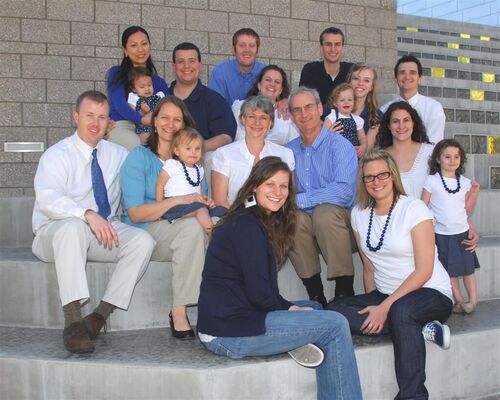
(438,333)
(309,356)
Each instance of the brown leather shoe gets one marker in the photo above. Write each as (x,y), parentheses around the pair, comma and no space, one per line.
(76,340)
(93,324)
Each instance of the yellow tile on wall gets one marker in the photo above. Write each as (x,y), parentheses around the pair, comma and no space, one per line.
(488,78)
(452,45)
(465,35)
(412,29)
(493,145)
(477,95)
(463,59)
(485,38)
(437,72)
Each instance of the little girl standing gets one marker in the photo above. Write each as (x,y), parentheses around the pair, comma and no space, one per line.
(342,104)
(452,197)
(182,175)
(141,98)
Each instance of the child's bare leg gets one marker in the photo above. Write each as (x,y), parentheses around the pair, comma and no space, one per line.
(455,289)
(204,219)
(471,287)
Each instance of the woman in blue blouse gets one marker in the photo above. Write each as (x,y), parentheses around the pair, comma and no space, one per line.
(240,310)
(136,48)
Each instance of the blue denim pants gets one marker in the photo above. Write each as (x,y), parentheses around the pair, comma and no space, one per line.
(337,377)
(404,323)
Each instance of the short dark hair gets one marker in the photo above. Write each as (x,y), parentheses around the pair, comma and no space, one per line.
(136,73)
(93,95)
(186,46)
(405,59)
(331,30)
(434,165)
(245,31)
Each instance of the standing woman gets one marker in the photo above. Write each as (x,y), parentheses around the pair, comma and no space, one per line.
(363,79)
(136,48)
(183,241)
(406,286)
(231,164)
(273,84)
(402,134)
(240,310)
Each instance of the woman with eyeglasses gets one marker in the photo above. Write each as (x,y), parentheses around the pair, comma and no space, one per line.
(408,292)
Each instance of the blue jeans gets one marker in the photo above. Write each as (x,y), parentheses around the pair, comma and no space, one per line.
(337,377)
(406,318)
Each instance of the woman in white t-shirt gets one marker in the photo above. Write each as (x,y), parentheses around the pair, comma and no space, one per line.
(232,163)
(406,286)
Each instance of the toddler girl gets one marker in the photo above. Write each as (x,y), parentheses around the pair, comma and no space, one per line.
(141,98)
(451,197)
(349,125)
(182,175)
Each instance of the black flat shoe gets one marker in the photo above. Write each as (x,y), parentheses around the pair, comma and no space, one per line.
(189,334)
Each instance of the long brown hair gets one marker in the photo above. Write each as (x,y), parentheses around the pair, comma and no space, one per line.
(279,225)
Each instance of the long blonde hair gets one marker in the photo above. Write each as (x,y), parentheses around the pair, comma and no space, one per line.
(371,97)
(365,200)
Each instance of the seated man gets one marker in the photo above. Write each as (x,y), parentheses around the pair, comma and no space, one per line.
(325,178)
(74,220)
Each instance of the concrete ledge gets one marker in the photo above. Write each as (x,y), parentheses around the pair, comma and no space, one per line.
(150,364)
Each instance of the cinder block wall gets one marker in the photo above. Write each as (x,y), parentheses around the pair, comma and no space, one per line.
(52,50)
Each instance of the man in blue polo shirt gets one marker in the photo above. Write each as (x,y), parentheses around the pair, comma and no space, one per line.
(234,78)
(212,115)
(325,178)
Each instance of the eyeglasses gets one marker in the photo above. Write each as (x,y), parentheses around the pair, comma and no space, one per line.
(381,177)
(307,108)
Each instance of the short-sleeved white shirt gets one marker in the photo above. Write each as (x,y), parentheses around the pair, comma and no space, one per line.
(177,184)
(282,131)
(235,161)
(448,208)
(395,260)
(413,180)
(334,116)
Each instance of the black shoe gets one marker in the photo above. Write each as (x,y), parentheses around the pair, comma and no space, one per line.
(189,334)
(76,339)
(321,299)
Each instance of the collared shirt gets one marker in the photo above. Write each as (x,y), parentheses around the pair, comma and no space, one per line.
(230,82)
(235,161)
(210,112)
(325,171)
(430,111)
(281,133)
(63,181)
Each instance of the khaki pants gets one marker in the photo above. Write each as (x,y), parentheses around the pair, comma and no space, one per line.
(124,133)
(69,243)
(183,243)
(327,231)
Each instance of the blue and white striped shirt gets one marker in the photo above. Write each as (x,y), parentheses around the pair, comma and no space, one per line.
(325,172)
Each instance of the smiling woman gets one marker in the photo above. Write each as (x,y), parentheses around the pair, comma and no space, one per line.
(231,164)
(136,48)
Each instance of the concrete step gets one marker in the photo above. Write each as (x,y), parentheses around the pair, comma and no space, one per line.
(29,291)
(150,364)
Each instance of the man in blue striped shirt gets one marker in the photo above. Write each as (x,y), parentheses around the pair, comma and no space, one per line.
(325,177)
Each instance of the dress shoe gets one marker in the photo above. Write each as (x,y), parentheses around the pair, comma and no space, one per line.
(93,324)
(76,339)
(189,334)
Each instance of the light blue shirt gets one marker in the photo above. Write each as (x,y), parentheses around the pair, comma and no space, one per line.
(325,172)
(230,82)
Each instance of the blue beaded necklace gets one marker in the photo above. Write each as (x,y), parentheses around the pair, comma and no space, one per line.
(447,188)
(188,178)
(370,222)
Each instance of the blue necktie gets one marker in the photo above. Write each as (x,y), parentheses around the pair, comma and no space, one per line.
(99,188)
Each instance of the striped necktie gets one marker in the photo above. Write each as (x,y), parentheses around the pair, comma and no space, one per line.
(99,188)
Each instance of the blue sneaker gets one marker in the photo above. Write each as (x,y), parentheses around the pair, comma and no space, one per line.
(436,332)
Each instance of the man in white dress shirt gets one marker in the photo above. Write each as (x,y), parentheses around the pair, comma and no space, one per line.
(74,220)
(408,74)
